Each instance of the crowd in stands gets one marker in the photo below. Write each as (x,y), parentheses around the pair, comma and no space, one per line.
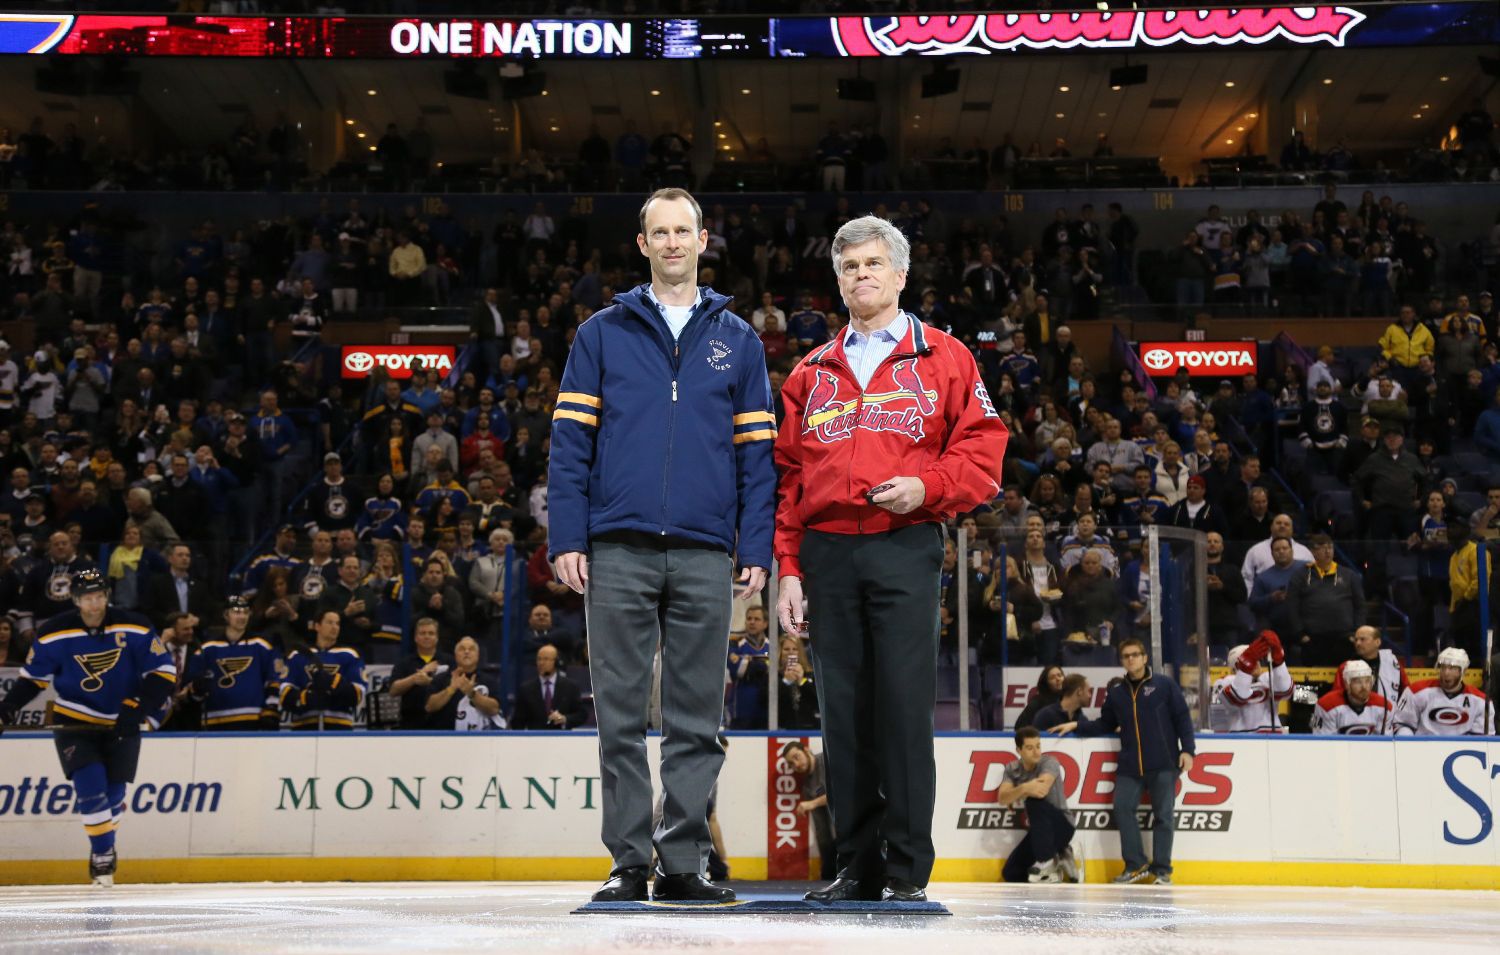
(189,435)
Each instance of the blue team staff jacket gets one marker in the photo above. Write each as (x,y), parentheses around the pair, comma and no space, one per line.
(670,438)
(1153,721)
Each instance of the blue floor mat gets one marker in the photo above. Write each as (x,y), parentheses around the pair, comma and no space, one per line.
(756,903)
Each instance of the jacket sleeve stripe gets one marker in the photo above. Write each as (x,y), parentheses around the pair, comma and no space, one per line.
(766,435)
(588,419)
(579,398)
(751,417)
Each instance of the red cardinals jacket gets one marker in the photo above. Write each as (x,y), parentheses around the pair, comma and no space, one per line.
(925,412)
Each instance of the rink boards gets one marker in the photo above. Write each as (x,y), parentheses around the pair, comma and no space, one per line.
(1346,811)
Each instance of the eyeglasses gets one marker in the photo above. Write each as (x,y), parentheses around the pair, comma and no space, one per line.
(1131,655)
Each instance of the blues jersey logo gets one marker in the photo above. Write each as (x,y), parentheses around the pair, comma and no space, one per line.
(718,355)
(94,666)
(329,668)
(59,587)
(232,667)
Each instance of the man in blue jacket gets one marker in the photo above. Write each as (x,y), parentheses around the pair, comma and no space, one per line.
(660,480)
(1156,745)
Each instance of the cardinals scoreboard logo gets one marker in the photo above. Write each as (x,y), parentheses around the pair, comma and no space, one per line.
(904,409)
(32,32)
(1122,29)
(1089,789)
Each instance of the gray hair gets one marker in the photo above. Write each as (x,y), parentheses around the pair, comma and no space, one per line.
(864,229)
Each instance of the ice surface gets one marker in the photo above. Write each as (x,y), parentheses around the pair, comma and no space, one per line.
(533,917)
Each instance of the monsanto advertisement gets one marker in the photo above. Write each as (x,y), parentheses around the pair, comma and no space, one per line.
(1415,812)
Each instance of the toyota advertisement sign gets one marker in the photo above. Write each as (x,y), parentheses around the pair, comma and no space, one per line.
(1198,359)
(360,361)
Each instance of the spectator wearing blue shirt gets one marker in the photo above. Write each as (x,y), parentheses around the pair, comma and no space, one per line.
(195,256)
(216,483)
(1076,694)
(833,155)
(807,325)
(87,252)
(278,440)
(1023,366)
(498,419)
(312,263)
(421,393)
(1487,429)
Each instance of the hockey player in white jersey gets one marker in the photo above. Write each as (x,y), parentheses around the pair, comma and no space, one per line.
(1355,710)
(1242,700)
(1445,706)
(1390,675)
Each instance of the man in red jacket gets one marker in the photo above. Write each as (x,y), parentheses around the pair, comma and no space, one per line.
(888,432)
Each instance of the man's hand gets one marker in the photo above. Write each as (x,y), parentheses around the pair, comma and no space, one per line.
(905,495)
(354,608)
(435,602)
(804,807)
(1063,729)
(1185,762)
(557,719)
(422,677)
(572,569)
(789,604)
(754,578)
(462,684)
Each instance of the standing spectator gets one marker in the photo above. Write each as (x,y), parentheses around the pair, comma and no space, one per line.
(411,679)
(1464,584)
(962,468)
(487,331)
(1389,673)
(407,266)
(749,663)
(435,596)
(548,701)
(833,155)
(1156,729)
(1388,486)
(179,591)
(641,588)
(1404,343)
(356,604)
(1045,853)
(1325,603)
(464,698)
(1269,591)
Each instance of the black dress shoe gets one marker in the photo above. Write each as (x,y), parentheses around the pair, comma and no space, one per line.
(845,888)
(627,885)
(688,887)
(900,890)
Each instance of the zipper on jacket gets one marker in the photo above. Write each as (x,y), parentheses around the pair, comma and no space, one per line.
(1135,715)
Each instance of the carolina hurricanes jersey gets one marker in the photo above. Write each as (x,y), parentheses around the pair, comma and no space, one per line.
(1336,716)
(1242,704)
(1427,710)
(1390,675)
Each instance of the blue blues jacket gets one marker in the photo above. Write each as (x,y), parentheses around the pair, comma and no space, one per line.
(663,437)
(1152,719)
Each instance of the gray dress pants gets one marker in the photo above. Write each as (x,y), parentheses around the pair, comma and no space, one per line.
(644,592)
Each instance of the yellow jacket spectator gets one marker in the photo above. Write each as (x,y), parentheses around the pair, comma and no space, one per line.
(1406,340)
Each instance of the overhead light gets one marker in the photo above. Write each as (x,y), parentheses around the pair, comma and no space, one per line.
(1426,106)
(1442,79)
(440,164)
(1251,115)
(656,92)
(723,135)
(718,123)
(348,122)
(1327,81)
(1229,142)
(1416,115)
(1115,88)
(1239,129)
(1102,115)
(553,128)
(1063,89)
(372,149)
(1059,115)
(545,93)
(360,135)
(917,116)
(1228,83)
(726,148)
(745,92)
(370,92)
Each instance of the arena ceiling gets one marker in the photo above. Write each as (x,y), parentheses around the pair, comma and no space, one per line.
(1192,105)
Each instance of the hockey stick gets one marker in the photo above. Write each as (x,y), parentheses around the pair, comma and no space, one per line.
(1271,693)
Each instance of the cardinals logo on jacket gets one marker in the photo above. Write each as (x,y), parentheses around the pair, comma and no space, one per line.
(902,410)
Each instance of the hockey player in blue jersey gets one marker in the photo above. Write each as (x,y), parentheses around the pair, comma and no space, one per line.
(238,677)
(109,670)
(325,684)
